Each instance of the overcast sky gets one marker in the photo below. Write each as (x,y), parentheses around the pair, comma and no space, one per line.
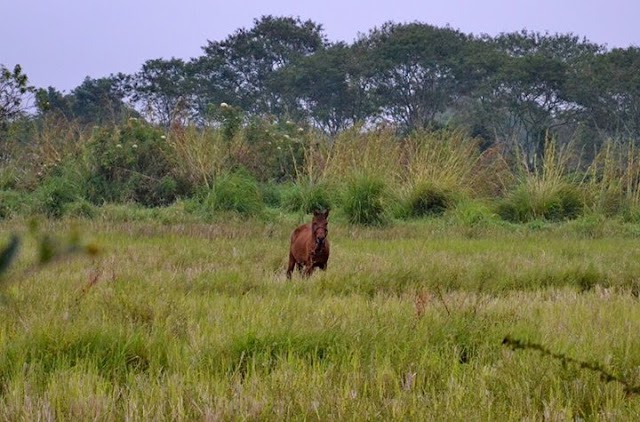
(59,42)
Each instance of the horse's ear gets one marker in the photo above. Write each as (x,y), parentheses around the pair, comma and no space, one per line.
(326,213)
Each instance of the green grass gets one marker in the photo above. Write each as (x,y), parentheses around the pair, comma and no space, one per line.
(182,320)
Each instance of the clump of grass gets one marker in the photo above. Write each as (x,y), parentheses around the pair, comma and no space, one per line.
(472,214)
(355,152)
(613,180)
(12,203)
(112,353)
(201,155)
(428,199)
(365,201)
(306,197)
(237,192)
(544,192)
(532,201)
(444,160)
(54,196)
(261,353)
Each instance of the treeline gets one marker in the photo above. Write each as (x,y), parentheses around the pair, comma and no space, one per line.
(515,88)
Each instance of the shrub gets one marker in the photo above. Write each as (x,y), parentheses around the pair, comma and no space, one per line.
(53,196)
(237,192)
(132,163)
(364,201)
(270,150)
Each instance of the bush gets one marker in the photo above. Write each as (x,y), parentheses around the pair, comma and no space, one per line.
(306,198)
(365,200)
(132,164)
(53,197)
(237,192)
(270,150)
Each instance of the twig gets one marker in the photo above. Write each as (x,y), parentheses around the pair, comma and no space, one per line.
(605,375)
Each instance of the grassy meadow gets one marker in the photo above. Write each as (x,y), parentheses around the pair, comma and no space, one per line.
(179,319)
(463,284)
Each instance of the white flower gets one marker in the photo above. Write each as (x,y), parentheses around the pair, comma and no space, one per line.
(163,137)
(300,130)
(134,146)
(289,122)
(224,105)
(119,146)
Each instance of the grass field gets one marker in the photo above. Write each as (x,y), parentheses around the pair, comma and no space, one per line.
(176,319)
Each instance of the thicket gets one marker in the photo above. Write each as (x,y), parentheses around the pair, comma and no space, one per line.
(371,176)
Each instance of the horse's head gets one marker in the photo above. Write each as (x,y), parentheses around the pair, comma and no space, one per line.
(319,227)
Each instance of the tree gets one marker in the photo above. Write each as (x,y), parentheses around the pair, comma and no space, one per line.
(417,70)
(50,101)
(331,87)
(240,70)
(95,101)
(532,90)
(14,87)
(163,90)
(608,87)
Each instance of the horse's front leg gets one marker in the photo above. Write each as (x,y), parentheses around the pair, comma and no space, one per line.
(308,270)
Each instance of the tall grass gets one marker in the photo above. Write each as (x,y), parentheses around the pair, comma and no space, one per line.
(613,180)
(545,191)
(298,170)
(194,321)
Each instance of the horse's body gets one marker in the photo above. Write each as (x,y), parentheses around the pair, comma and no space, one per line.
(310,246)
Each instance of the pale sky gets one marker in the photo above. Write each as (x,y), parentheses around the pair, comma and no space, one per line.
(59,42)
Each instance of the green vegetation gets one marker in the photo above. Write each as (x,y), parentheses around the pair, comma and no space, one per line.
(485,197)
(189,321)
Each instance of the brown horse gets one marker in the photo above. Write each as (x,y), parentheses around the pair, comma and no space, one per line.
(309,245)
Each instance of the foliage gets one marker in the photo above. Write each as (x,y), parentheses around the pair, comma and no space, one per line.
(330,86)
(544,191)
(14,86)
(240,69)
(94,101)
(163,90)
(132,163)
(269,150)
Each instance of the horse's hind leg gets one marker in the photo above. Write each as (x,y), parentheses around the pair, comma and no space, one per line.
(292,264)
